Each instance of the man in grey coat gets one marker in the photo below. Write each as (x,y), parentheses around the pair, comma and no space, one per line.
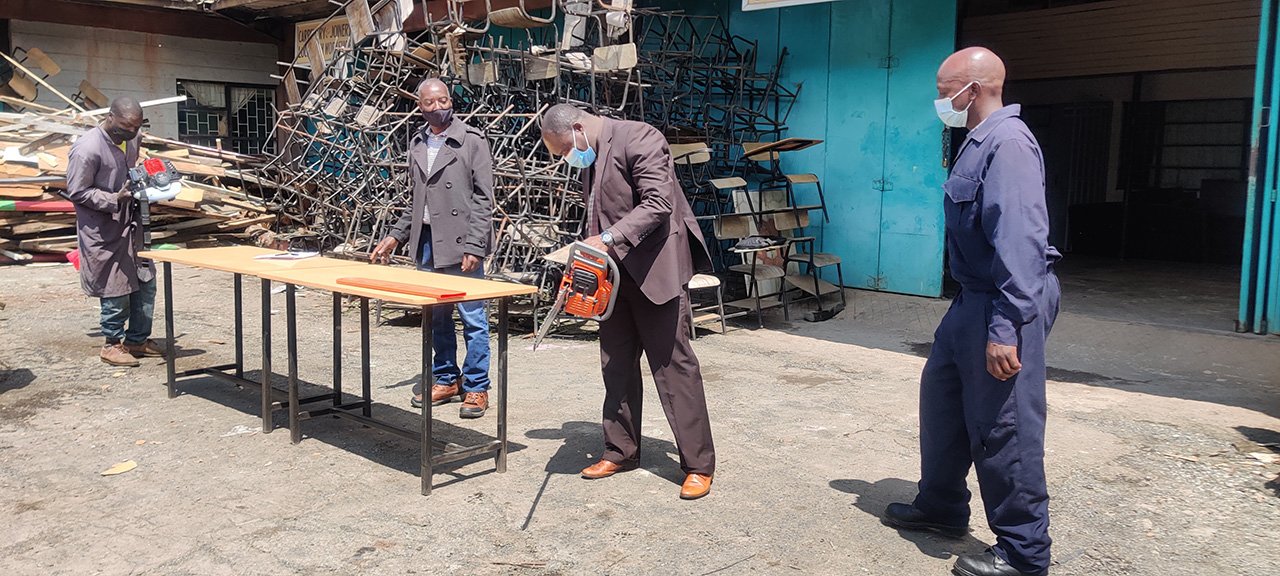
(110,234)
(449,229)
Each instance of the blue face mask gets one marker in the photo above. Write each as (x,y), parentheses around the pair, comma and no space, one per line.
(580,158)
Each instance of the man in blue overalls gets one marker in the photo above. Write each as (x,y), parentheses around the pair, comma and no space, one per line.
(982,393)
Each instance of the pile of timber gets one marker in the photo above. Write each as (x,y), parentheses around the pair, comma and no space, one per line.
(37,223)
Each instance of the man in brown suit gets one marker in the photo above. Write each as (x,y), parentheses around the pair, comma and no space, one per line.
(637,211)
(449,229)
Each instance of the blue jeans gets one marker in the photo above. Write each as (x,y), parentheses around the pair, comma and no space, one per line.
(137,308)
(475,330)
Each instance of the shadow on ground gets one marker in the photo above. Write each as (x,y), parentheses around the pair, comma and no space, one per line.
(580,447)
(380,447)
(16,379)
(872,498)
(1263,440)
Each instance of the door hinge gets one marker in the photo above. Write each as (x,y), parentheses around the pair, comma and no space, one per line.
(890,62)
(882,185)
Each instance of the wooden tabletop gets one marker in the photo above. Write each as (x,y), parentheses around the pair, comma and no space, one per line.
(323,274)
(240,259)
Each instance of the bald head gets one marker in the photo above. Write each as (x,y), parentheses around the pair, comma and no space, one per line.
(973,79)
(126,107)
(975,64)
(432,84)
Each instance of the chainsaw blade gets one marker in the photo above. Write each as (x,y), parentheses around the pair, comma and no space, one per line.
(550,320)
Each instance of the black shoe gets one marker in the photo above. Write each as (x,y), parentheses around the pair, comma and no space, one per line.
(987,564)
(909,517)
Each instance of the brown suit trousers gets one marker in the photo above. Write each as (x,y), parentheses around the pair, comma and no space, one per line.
(661,333)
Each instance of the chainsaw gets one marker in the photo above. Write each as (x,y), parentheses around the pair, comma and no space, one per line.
(586,289)
(156,180)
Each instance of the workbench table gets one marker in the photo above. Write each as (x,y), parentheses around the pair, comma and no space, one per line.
(322,273)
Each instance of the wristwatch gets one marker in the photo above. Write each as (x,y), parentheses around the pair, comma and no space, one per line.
(607,238)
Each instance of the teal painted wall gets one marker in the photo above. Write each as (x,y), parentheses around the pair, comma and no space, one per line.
(878,125)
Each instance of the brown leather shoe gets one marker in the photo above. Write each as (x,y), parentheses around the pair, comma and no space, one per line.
(474,405)
(149,349)
(605,469)
(695,486)
(441,394)
(117,355)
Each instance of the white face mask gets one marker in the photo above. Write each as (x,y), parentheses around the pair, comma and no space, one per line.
(949,115)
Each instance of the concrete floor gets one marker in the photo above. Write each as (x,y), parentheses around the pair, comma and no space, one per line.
(1161,453)
(1174,294)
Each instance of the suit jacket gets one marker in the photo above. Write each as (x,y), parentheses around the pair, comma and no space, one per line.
(634,192)
(107,227)
(459,191)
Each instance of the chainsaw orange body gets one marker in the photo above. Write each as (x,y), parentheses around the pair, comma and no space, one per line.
(588,283)
(586,289)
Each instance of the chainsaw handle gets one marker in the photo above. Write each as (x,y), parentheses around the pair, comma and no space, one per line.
(614,278)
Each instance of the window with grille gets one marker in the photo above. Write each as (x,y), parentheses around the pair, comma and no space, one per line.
(238,115)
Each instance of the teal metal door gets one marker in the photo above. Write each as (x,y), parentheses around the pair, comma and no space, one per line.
(911,222)
(884,144)
(1260,270)
(866,73)
(857,91)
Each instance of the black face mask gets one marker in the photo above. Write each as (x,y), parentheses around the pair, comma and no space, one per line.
(439,118)
(121,135)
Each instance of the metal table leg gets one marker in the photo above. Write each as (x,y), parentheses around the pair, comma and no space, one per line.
(500,461)
(366,379)
(170,354)
(266,357)
(239,308)
(337,349)
(291,321)
(426,401)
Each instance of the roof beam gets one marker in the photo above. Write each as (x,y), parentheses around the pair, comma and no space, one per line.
(227,4)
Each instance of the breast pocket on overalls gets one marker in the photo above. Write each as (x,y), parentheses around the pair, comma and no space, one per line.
(961,211)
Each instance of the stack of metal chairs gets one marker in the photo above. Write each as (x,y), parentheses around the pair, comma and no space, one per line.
(342,175)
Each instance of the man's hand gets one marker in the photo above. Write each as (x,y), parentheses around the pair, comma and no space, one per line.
(597,243)
(470,262)
(382,253)
(1002,361)
(124,194)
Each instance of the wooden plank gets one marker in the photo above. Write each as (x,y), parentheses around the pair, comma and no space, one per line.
(92,96)
(190,224)
(41,81)
(56,245)
(805,284)
(248,206)
(38,227)
(42,142)
(43,61)
(21,191)
(360,21)
(401,288)
(247,222)
(292,94)
(36,206)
